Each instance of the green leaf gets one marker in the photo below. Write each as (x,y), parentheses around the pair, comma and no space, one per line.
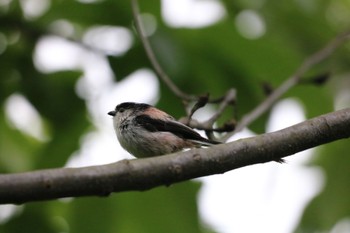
(171,209)
(333,203)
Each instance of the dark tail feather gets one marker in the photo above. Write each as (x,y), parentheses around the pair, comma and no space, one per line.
(280,160)
(206,142)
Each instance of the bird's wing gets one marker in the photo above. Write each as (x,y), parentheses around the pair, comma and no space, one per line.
(177,128)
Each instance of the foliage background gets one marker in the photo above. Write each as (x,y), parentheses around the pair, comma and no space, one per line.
(200,60)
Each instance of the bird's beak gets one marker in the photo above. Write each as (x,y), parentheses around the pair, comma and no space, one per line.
(112,113)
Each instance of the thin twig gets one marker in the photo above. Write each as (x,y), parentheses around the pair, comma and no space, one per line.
(151,56)
(314,59)
(201,102)
(229,99)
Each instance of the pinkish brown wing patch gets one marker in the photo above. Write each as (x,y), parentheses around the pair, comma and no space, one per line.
(158,114)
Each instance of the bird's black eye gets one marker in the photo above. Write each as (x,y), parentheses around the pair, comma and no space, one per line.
(121,110)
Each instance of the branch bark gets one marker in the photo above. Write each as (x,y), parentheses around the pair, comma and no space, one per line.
(144,174)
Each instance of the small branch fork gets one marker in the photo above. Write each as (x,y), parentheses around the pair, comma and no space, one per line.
(229,100)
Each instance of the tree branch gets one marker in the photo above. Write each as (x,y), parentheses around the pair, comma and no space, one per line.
(144,174)
(293,80)
(151,56)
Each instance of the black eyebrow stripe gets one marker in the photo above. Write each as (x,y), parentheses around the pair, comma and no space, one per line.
(131,105)
(180,130)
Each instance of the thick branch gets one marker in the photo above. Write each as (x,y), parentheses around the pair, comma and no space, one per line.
(143,174)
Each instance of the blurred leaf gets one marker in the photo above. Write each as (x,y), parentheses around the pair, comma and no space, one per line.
(33,218)
(333,203)
(154,211)
(133,60)
(89,14)
(17,151)
(173,203)
(55,98)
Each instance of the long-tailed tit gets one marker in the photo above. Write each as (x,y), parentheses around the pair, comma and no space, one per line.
(145,131)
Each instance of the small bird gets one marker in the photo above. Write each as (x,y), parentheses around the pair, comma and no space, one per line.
(145,131)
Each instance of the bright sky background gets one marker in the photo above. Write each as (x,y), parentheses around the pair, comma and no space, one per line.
(271,196)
